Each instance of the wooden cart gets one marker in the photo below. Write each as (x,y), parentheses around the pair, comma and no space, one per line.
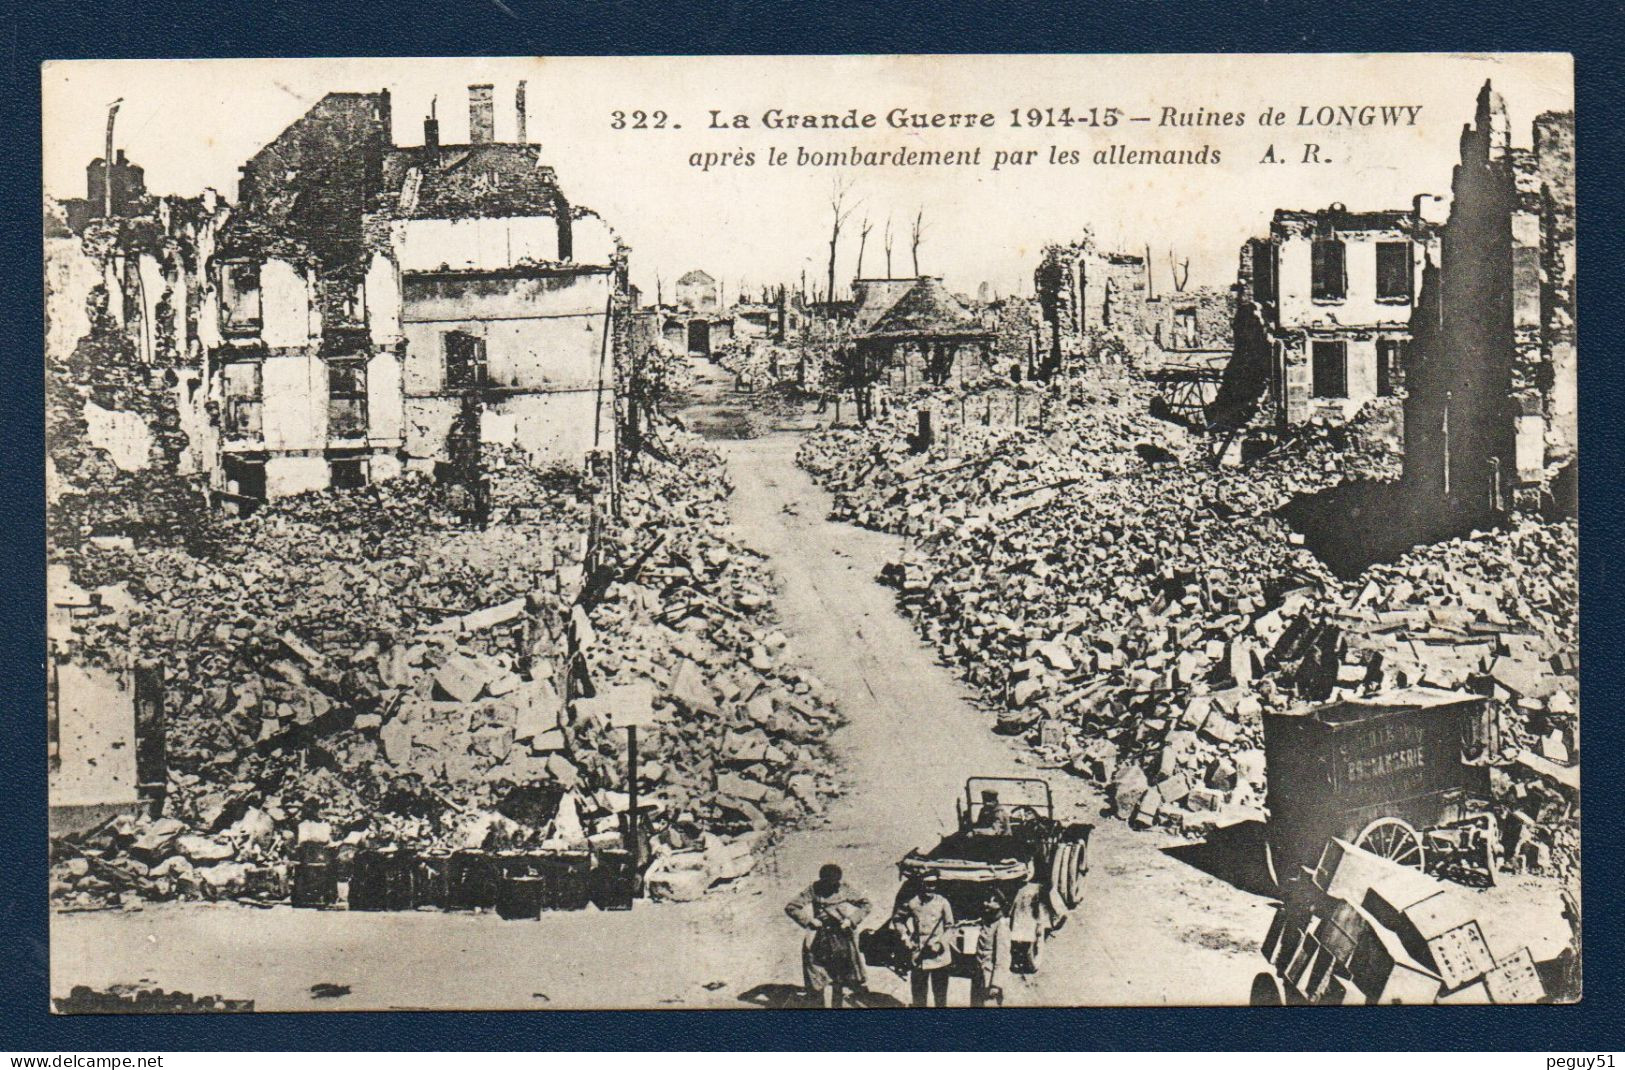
(1386,773)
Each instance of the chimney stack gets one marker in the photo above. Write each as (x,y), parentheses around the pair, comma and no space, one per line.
(431,137)
(519,109)
(481,115)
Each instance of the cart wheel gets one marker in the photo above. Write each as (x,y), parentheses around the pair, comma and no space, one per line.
(1266,992)
(1393,839)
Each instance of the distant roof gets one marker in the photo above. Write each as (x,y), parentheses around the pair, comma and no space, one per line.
(696,276)
(928,310)
(495,179)
(1338,217)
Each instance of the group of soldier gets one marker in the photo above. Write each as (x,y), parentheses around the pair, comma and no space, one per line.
(922,924)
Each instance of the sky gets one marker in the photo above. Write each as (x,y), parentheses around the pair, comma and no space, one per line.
(192,123)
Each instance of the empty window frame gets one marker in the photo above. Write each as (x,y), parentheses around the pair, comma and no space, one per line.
(1391,353)
(245,398)
(245,478)
(352,302)
(348,473)
(1330,369)
(1328,276)
(1394,271)
(465,361)
(240,307)
(347,399)
(1185,328)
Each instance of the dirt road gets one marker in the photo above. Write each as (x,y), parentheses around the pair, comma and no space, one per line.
(1153,929)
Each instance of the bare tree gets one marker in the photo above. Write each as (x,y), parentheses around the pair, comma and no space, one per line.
(888,247)
(914,239)
(863,241)
(1181,271)
(839,210)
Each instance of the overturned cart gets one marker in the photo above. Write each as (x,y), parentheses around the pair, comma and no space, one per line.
(1390,774)
(1011,865)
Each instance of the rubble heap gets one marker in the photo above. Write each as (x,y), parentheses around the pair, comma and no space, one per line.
(1133,611)
(363,668)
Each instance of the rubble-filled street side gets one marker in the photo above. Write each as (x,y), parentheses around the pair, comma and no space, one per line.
(1132,611)
(362,669)
(393,677)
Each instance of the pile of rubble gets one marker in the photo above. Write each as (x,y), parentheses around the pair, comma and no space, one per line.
(365,669)
(1133,611)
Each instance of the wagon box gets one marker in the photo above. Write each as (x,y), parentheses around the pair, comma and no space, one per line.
(1372,770)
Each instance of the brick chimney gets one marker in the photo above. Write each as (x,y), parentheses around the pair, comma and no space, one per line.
(481,115)
(519,111)
(431,138)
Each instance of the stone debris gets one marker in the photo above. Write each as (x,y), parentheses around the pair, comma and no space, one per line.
(361,670)
(1133,611)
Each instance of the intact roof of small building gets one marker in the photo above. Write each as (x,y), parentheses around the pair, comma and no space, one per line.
(928,310)
(695,277)
(491,180)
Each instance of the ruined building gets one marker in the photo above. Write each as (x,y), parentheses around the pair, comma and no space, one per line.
(307,373)
(1101,307)
(508,296)
(128,449)
(1323,314)
(1092,304)
(927,336)
(697,323)
(371,296)
(1490,412)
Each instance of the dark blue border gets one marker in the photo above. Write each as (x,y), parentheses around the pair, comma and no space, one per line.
(57,29)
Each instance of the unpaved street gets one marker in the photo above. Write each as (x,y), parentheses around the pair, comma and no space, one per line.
(1153,929)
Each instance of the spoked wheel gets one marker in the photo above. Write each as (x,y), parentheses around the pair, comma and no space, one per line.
(1393,839)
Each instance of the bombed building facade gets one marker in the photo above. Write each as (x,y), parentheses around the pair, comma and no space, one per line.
(1102,307)
(1324,309)
(1490,411)
(374,296)
(1092,302)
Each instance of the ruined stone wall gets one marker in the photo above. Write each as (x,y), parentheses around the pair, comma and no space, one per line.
(1017,337)
(1554,156)
(1093,306)
(1460,415)
(122,394)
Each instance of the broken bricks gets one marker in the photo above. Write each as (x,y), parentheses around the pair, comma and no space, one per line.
(1148,606)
